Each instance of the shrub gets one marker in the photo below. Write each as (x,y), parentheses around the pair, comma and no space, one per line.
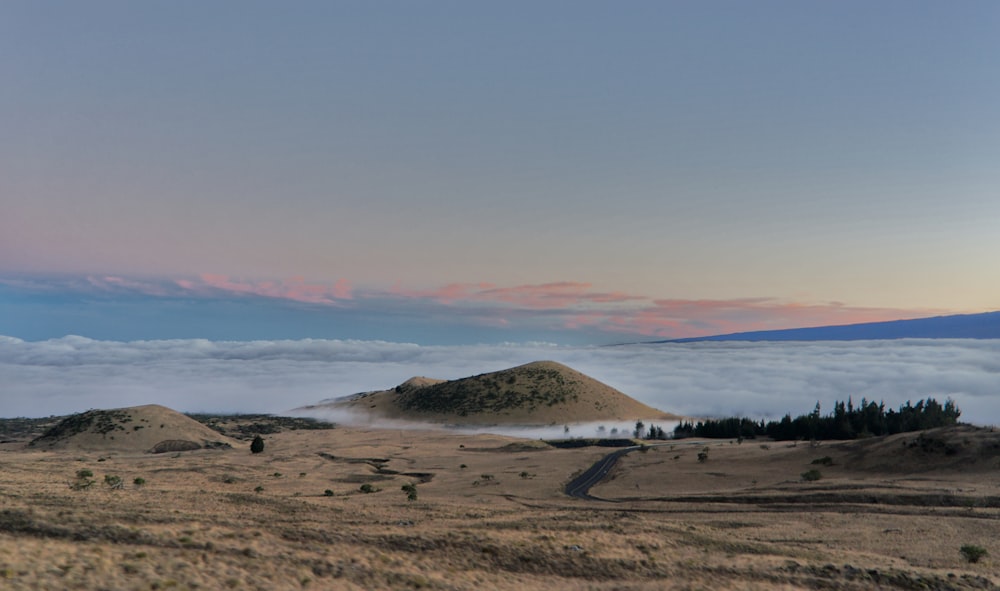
(463,467)
(139,481)
(368,489)
(812,475)
(486,477)
(328,493)
(824,461)
(258,489)
(114,482)
(972,553)
(411,492)
(702,457)
(257,445)
(83,480)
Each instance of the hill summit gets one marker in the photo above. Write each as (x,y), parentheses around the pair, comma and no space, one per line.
(150,428)
(538,393)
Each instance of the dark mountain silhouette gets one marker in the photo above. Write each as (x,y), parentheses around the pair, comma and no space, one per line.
(961,326)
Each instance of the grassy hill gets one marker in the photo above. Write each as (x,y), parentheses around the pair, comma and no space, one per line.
(539,393)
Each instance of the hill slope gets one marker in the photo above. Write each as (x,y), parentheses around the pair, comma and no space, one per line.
(151,428)
(962,326)
(539,393)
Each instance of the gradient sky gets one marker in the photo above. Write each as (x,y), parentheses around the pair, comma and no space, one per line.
(466,171)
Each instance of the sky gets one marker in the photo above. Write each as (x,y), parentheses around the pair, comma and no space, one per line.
(759,380)
(448,173)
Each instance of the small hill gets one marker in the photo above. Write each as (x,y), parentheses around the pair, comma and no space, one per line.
(151,428)
(538,393)
(961,448)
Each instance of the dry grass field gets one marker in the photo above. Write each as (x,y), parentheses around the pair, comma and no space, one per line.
(490,513)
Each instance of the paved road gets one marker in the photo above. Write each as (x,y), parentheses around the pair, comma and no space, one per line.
(580,486)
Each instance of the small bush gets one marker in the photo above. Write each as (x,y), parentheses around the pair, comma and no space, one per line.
(411,492)
(812,475)
(824,461)
(114,482)
(972,553)
(327,493)
(486,477)
(463,467)
(702,457)
(139,481)
(257,445)
(368,489)
(258,489)
(85,473)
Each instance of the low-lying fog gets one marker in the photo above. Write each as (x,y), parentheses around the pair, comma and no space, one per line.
(73,374)
(597,429)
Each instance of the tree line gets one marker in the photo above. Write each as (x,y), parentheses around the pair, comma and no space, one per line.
(845,422)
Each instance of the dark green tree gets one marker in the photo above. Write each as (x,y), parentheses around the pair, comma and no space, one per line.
(257,445)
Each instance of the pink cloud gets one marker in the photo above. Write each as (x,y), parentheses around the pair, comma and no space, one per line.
(295,289)
(112,282)
(546,296)
(565,305)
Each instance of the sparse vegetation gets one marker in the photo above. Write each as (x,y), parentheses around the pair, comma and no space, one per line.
(83,480)
(114,482)
(824,461)
(411,492)
(973,553)
(812,475)
(246,426)
(526,387)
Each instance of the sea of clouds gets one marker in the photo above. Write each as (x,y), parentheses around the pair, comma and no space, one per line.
(760,380)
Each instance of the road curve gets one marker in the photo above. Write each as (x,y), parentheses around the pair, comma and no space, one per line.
(580,486)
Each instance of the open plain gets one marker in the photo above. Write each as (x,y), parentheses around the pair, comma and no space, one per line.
(489,512)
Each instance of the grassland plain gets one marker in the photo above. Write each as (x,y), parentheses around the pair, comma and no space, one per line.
(490,513)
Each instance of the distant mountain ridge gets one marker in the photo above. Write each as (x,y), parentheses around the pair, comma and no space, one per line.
(960,326)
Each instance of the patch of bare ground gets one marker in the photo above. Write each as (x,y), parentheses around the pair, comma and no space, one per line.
(488,513)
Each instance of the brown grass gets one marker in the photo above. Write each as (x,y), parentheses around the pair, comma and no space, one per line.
(743,519)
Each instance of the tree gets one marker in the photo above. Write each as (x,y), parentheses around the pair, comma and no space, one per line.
(257,445)
(639,429)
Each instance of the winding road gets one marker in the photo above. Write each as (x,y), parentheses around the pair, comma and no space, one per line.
(580,486)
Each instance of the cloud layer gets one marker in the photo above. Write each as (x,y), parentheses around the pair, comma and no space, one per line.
(72,374)
(562,311)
